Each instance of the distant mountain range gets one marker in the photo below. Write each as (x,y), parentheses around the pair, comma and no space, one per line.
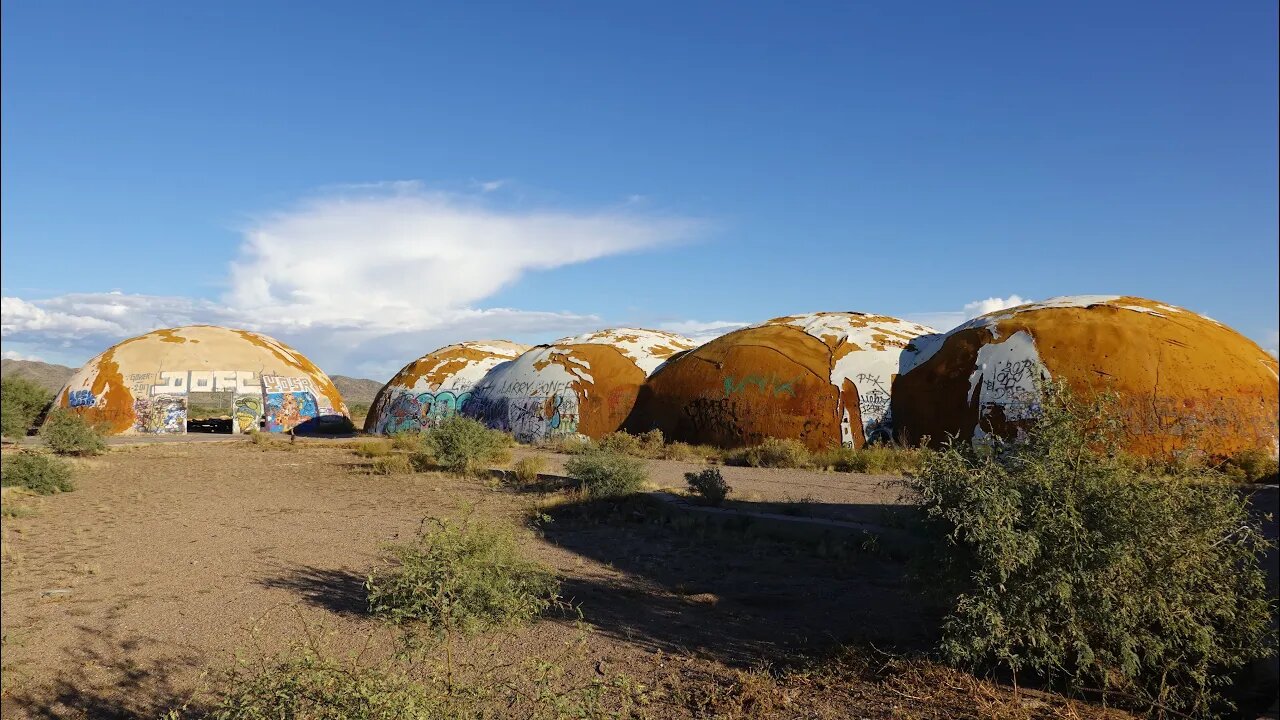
(356,391)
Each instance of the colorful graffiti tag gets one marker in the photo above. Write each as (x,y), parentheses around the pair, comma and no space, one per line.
(413,412)
(286,410)
(247,411)
(528,419)
(160,414)
(81,398)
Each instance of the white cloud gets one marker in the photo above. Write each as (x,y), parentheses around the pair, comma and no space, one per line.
(368,277)
(702,331)
(1271,342)
(15,355)
(991,304)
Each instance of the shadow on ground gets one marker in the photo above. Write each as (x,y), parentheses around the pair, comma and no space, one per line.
(725,593)
(336,590)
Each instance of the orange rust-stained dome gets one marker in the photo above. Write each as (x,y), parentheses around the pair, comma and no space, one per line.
(585,384)
(1183,380)
(141,385)
(822,378)
(436,385)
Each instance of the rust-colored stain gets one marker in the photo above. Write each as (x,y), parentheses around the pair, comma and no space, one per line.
(605,402)
(822,378)
(1184,381)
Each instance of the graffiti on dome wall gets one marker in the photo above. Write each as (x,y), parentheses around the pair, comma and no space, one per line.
(287,402)
(158,414)
(415,411)
(528,419)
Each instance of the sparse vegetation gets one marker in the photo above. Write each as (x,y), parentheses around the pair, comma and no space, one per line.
(607,474)
(373,448)
(462,445)
(407,441)
(21,402)
(391,465)
(568,444)
(527,469)
(68,433)
(873,459)
(37,472)
(772,453)
(1055,557)
(461,577)
(708,485)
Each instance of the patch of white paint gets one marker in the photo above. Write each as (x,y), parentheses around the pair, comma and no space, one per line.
(1005,376)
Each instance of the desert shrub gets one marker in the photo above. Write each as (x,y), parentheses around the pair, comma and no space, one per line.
(21,402)
(1251,466)
(422,461)
(607,474)
(620,442)
(372,448)
(527,469)
(309,685)
(68,433)
(875,459)
(575,444)
(36,472)
(463,445)
(391,465)
(773,453)
(407,440)
(708,485)
(652,443)
(1054,556)
(680,451)
(464,577)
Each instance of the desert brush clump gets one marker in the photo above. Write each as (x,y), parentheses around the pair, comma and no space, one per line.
(464,446)
(528,468)
(872,459)
(66,432)
(772,453)
(463,577)
(708,485)
(1251,466)
(21,402)
(396,464)
(606,474)
(373,448)
(407,440)
(1053,555)
(37,472)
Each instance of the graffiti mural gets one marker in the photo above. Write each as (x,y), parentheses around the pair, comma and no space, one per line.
(528,419)
(81,398)
(286,410)
(160,414)
(414,412)
(247,411)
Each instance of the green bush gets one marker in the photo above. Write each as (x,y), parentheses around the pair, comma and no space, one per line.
(1054,555)
(307,685)
(464,446)
(620,442)
(67,433)
(709,485)
(36,472)
(527,469)
(461,577)
(773,453)
(607,474)
(874,459)
(1251,466)
(21,402)
(407,440)
(391,465)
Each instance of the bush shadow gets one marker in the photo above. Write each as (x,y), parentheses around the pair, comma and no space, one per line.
(336,590)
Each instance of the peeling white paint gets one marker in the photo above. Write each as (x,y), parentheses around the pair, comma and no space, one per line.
(1005,376)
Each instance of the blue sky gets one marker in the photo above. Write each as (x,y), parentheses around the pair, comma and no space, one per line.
(371,183)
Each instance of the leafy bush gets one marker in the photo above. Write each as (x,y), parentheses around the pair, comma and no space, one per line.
(1055,556)
(773,453)
(21,402)
(607,474)
(461,577)
(36,472)
(391,465)
(373,448)
(876,459)
(527,469)
(462,445)
(1251,466)
(709,485)
(620,442)
(68,433)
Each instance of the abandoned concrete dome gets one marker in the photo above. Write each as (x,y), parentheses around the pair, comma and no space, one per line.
(585,384)
(436,385)
(822,378)
(144,384)
(1182,379)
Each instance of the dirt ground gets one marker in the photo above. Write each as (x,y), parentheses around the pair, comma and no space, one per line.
(131,594)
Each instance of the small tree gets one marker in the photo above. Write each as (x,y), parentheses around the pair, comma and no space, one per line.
(21,402)
(1054,555)
(68,433)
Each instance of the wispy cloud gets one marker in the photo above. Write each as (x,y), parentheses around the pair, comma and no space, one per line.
(367,276)
(944,320)
(1270,342)
(702,331)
